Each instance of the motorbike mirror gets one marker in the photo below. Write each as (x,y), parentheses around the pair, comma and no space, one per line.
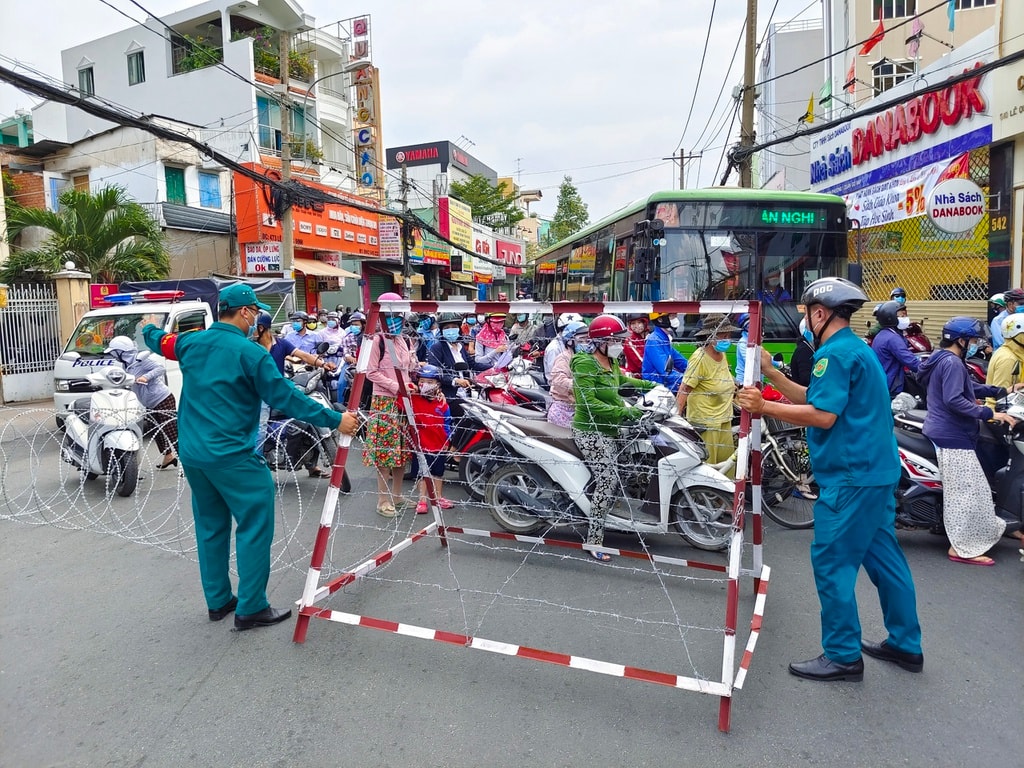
(778,358)
(322,347)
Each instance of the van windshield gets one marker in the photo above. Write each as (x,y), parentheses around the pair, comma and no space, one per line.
(94,333)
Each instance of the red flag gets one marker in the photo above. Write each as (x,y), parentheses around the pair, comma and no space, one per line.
(851,77)
(872,41)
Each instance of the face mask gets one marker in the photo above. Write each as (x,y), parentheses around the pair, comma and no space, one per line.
(674,323)
(296,326)
(520,318)
(900,299)
(497,325)
(722,345)
(450,334)
(429,388)
(332,324)
(311,326)
(614,350)
(355,330)
(637,328)
(480,318)
(470,321)
(903,323)
(394,325)
(805,330)
(972,349)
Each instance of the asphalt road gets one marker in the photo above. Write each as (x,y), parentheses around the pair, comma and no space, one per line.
(107,657)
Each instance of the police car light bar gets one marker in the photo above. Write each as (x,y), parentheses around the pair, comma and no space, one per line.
(142,297)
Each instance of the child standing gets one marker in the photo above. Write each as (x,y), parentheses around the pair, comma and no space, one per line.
(433,424)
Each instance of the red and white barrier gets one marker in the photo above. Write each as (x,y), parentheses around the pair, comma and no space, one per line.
(748,472)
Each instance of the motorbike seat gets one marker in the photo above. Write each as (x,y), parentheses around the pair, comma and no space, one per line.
(517,411)
(552,434)
(916,443)
(534,395)
(81,406)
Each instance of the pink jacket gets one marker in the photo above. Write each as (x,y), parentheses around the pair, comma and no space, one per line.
(561,378)
(380,369)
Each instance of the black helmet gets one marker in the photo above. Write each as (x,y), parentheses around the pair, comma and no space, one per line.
(299,316)
(449,318)
(835,293)
(885,313)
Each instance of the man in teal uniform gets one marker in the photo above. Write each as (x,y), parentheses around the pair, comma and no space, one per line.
(853,455)
(226,377)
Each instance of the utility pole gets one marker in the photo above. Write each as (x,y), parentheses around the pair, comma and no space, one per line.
(747,111)
(683,157)
(287,235)
(405,230)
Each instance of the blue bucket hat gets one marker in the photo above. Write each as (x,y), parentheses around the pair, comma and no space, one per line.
(239,295)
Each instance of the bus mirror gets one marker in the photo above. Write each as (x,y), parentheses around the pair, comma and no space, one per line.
(855,273)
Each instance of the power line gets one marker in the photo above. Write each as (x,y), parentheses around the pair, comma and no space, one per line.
(700,71)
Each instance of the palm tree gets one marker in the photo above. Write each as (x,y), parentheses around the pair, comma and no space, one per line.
(107,234)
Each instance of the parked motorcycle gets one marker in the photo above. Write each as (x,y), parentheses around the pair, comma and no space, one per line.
(665,483)
(919,495)
(103,432)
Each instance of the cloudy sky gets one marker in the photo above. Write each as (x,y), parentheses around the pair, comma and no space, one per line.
(597,89)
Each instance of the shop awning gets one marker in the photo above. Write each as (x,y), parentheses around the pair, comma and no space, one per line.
(321,269)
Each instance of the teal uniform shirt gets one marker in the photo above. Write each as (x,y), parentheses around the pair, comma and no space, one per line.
(859,449)
(225,379)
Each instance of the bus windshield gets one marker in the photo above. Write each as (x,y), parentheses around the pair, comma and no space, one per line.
(771,266)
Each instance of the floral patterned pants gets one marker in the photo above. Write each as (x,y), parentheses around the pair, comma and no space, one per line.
(601,452)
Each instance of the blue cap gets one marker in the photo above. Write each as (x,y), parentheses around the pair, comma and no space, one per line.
(239,295)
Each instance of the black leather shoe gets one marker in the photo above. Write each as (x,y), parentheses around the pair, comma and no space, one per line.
(265,618)
(224,610)
(912,662)
(821,668)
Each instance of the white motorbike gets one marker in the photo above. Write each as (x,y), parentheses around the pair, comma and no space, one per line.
(665,483)
(103,432)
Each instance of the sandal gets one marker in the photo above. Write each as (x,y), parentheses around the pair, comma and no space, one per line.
(387,509)
(601,557)
(979,560)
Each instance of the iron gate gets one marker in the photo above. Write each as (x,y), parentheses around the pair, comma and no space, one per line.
(29,342)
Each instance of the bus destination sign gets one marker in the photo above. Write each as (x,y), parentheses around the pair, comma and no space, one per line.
(792,217)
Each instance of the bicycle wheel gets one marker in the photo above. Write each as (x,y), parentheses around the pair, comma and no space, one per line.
(788,488)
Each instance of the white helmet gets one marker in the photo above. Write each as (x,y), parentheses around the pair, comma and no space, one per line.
(568,317)
(121,344)
(1013,326)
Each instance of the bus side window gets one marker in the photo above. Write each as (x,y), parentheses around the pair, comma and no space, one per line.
(195,321)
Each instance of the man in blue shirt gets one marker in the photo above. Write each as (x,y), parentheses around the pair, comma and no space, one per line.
(890,345)
(856,465)
(662,363)
(1013,300)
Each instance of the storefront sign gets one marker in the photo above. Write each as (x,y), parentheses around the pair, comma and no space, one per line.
(902,197)
(390,233)
(455,220)
(261,258)
(435,153)
(317,226)
(483,245)
(510,253)
(429,250)
(920,130)
(956,205)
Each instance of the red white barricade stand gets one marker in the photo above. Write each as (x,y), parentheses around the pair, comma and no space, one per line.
(748,473)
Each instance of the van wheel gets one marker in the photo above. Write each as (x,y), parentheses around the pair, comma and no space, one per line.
(60,423)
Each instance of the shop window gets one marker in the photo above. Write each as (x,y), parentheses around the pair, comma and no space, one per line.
(175,178)
(136,68)
(209,190)
(887,73)
(86,82)
(893,9)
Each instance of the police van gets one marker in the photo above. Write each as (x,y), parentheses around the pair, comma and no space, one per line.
(125,315)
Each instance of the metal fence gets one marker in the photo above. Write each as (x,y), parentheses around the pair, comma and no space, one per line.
(29,332)
(930,264)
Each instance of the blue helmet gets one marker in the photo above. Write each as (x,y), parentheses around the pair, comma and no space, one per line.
(964,329)
(743,320)
(429,372)
(569,330)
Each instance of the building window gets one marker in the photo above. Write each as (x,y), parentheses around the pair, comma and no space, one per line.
(209,190)
(966,5)
(893,9)
(86,84)
(887,73)
(136,68)
(269,116)
(175,178)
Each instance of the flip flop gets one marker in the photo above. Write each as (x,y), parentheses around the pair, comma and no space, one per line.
(601,557)
(969,561)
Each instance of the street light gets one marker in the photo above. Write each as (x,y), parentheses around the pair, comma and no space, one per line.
(352,66)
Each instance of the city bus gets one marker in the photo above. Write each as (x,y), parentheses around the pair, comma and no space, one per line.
(718,243)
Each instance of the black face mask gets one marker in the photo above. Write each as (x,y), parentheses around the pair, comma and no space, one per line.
(462,366)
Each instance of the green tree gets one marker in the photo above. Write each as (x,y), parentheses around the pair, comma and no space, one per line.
(491,205)
(570,214)
(107,234)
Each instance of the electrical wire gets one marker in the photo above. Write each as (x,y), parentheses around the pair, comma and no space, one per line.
(700,72)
